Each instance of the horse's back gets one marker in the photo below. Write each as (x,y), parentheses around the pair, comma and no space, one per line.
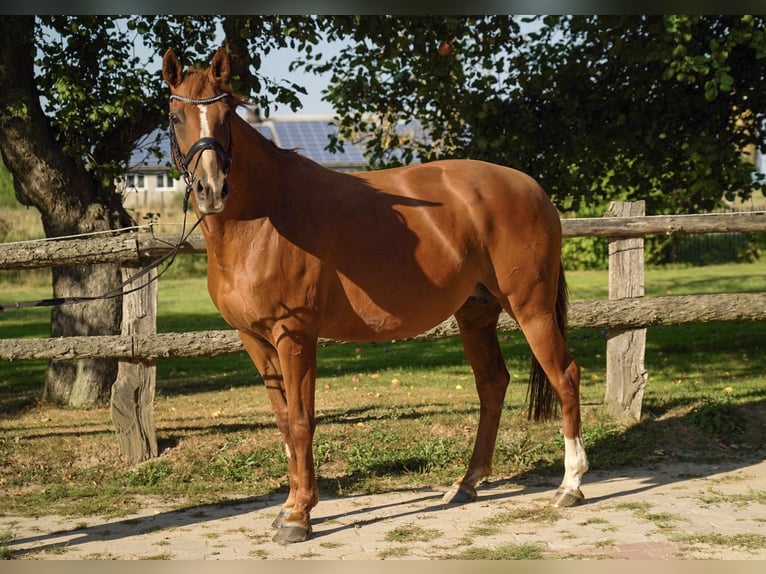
(495,199)
(466,179)
(511,225)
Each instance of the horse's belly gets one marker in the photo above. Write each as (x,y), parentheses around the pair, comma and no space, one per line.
(358,315)
(381,329)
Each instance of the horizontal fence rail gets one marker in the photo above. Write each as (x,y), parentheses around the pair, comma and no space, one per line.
(638,226)
(136,247)
(620,314)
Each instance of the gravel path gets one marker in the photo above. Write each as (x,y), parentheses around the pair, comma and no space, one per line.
(679,511)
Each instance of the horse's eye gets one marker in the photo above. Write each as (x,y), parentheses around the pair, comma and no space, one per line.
(174,119)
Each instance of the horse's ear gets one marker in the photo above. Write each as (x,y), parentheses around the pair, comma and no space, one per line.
(220,66)
(171,68)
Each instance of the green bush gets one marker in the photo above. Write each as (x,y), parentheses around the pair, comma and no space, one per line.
(585,253)
(704,249)
(592,253)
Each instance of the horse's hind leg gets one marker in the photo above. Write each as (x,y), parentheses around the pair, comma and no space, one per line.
(549,346)
(477,320)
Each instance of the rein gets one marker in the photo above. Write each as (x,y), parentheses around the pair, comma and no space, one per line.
(166,259)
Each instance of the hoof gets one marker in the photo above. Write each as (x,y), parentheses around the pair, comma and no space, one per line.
(565,498)
(280,519)
(291,532)
(459,493)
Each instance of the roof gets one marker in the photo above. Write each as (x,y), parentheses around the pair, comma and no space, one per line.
(308,135)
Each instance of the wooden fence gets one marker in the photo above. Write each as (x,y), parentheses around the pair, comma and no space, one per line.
(626,313)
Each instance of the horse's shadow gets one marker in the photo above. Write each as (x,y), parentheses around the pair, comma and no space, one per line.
(421,502)
(325,525)
(542,480)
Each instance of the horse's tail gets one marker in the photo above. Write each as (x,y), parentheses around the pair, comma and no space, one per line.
(540,395)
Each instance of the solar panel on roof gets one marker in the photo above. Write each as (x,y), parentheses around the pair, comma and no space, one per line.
(311,138)
(308,137)
(265,131)
(141,155)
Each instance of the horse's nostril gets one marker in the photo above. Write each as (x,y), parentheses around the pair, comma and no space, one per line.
(200,189)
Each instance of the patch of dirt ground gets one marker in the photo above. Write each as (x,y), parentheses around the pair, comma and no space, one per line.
(679,511)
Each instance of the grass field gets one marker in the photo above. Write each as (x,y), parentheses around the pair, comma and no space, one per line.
(390,416)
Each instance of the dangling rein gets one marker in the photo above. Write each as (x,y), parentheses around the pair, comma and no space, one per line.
(168,258)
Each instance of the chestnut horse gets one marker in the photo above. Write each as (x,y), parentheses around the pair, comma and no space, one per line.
(297,252)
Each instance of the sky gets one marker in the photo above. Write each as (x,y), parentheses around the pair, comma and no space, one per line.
(275,66)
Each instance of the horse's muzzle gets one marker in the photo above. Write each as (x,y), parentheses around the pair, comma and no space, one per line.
(210,200)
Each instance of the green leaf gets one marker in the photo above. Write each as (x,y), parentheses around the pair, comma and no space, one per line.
(711,90)
(726,82)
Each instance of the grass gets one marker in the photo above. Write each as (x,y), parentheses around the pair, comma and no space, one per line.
(747,541)
(524,514)
(677,280)
(662,520)
(390,415)
(5,552)
(712,497)
(409,533)
(503,552)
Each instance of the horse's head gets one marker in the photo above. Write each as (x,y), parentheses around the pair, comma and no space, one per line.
(200,132)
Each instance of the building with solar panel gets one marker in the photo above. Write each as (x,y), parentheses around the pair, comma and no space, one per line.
(149,180)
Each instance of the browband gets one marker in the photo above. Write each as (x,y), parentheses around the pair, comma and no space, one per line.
(202,102)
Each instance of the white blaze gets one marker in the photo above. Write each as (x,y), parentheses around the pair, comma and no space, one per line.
(204,129)
(206,159)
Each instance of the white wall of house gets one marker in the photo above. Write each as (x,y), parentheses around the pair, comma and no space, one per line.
(150,187)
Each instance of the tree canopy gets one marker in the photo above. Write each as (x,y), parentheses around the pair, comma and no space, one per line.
(662,108)
(99,83)
(596,107)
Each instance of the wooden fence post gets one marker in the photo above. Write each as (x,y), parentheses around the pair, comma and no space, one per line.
(132,408)
(626,374)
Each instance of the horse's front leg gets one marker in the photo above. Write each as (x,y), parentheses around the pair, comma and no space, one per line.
(297,356)
(266,360)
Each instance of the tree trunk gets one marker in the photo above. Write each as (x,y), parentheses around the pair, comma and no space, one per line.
(70,202)
(85,382)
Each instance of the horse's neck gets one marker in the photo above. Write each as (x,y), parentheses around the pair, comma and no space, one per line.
(264,190)
(256,181)
(252,179)
(265,178)
(254,171)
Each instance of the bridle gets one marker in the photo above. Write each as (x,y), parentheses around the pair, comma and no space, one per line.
(202,144)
